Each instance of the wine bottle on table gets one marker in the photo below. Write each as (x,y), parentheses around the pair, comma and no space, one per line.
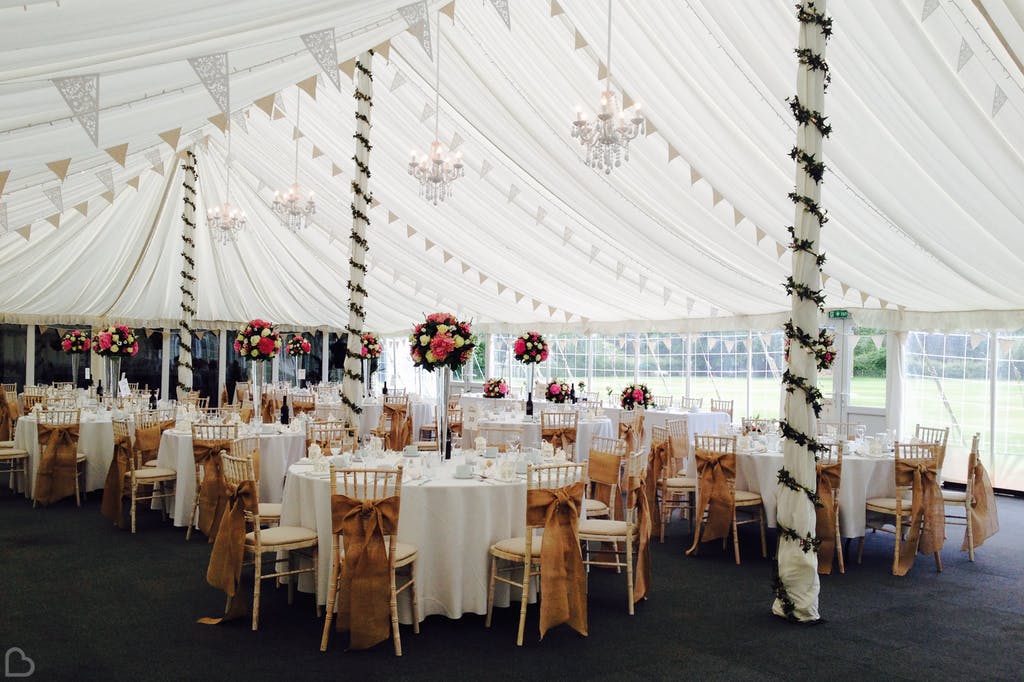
(384,391)
(285,416)
(448,445)
(572,394)
(152,399)
(99,388)
(529,404)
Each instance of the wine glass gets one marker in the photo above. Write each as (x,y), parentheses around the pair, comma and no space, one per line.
(515,442)
(336,447)
(860,430)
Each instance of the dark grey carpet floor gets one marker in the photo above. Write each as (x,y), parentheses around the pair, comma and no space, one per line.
(84,600)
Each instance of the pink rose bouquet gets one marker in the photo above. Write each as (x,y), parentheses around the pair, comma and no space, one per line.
(371,347)
(495,388)
(258,340)
(298,346)
(557,391)
(75,342)
(115,341)
(530,348)
(636,395)
(441,341)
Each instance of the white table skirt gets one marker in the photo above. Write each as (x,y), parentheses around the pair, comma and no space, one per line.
(95,441)
(277,453)
(452,523)
(862,478)
(586,430)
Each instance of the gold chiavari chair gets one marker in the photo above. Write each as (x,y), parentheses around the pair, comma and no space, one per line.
(663,402)
(135,475)
(205,439)
(829,469)
(691,403)
(722,406)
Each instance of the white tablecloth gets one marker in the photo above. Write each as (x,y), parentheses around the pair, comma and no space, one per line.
(277,453)
(586,429)
(452,523)
(862,477)
(95,441)
(696,423)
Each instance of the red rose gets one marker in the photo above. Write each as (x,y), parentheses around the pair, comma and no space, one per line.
(266,345)
(520,347)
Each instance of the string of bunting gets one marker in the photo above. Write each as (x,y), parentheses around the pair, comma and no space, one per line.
(361,199)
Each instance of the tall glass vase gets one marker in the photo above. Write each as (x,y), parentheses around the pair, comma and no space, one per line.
(75,358)
(297,362)
(444,386)
(112,373)
(257,391)
(367,383)
(530,367)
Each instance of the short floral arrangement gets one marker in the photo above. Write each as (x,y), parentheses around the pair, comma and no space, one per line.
(258,340)
(371,347)
(636,395)
(530,348)
(115,341)
(556,391)
(298,346)
(495,388)
(75,342)
(441,341)
(824,349)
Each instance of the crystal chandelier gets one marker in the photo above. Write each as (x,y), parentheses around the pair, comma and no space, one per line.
(289,207)
(607,137)
(436,171)
(226,221)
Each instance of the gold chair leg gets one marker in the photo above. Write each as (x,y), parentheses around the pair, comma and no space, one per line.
(735,538)
(257,572)
(490,590)
(195,509)
(629,573)
(970,530)
(415,603)
(134,505)
(396,634)
(332,596)
(522,601)
(839,545)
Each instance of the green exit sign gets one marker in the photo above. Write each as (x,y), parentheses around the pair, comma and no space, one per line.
(838,314)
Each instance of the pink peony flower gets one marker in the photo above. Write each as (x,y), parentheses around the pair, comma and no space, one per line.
(555,389)
(441,345)
(135,348)
(503,388)
(543,355)
(638,395)
(364,351)
(66,344)
(237,346)
(266,345)
(105,341)
(520,347)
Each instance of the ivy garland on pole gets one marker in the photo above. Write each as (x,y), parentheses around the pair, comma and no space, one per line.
(352,384)
(796,579)
(188,278)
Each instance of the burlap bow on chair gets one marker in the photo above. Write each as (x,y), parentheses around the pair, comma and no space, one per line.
(563,581)
(8,415)
(213,495)
(927,514)
(223,396)
(113,489)
(559,437)
(982,512)
(225,568)
(633,436)
(58,464)
(365,593)
(400,434)
(269,409)
(714,471)
(636,496)
(657,460)
(825,515)
(241,393)
(147,440)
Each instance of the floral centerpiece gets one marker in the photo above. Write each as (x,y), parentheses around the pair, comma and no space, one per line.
(441,341)
(115,341)
(371,347)
(298,346)
(636,395)
(557,391)
(75,342)
(824,349)
(495,388)
(530,348)
(258,340)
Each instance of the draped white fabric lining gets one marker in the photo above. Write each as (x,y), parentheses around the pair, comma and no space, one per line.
(923,194)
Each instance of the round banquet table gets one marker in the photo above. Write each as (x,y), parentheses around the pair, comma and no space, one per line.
(862,478)
(277,452)
(586,430)
(95,441)
(452,522)
(697,422)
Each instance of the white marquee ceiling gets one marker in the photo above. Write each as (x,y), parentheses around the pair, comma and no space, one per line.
(926,161)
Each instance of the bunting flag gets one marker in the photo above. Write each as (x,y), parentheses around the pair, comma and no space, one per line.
(149,332)
(308,86)
(465,268)
(512,192)
(878,340)
(428,111)
(317,152)
(864,298)
(649,128)
(384,50)
(540,214)
(82,94)
(998,100)
(929,7)
(324,49)
(780,249)
(212,70)
(348,67)
(501,288)
(566,236)
(716,197)
(567,315)
(883,303)
(824,279)
(279,110)
(220,121)
(759,233)
(673,153)
(1005,346)
(109,196)
(713,343)
(266,104)
(59,168)
(446,255)
(3,179)
(297,134)
(83,208)
(578,40)
(730,345)
(410,231)
(54,220)
(766,338)
(417,22)
(134,182)
(398,81)
(602,73)
(976,339)
(240,117)
(448,10)
(171,137)
(844,287)
(485,168)
(737,217)
(482,277)
(25,232)
(391,217)
(552,310)
(335,170)
(55,196)
(536,304)
(118,153)
(519,296)
(502,7)
(627,101)
(427,244)
(556,9)
(694,176)
(456,141)
(965,55)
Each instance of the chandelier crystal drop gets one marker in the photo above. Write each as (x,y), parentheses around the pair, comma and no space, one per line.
(226,221)
(291,209)
(607,137)
(438,170)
